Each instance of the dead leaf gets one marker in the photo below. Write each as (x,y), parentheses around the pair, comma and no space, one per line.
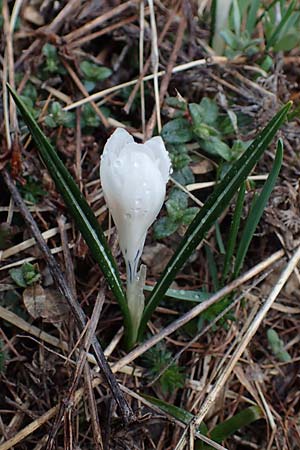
(47,304)
(56,307)
(33,16)
(34,299)
(202,167)
(156,257)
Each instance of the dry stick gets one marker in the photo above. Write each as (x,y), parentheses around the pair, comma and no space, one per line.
(194,312)
(283,278)
(109,29)
(141,63)
(176,69)
(87,27)
(9,55)
(29,429)
(126,412)
(155,64)
(89,333)
(98,442)
(17,321)
(48,29)
(147,65)
(83,90)
(170,417)
(166,79)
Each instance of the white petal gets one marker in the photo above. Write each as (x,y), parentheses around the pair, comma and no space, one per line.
(116,142)
(161,156)
(133,178)
(135,191)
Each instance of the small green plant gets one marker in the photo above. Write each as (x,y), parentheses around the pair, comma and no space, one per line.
(32,191)
(26,275)
(277,346)
(234,23)
(160,362)
(178,214)
(58,117)
(52,64)
(202,123)
(93,74)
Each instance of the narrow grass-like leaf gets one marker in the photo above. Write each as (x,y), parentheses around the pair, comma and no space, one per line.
(225,429)
(233,232)
(251,17)
(181,294)
(219,239)
(178,413)
(276,33)
(79,208)
(212,267)
(221,431)
(257,210)
(212,209)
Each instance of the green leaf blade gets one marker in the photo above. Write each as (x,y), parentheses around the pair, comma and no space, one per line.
(214,206)
(257,210)
(79,208)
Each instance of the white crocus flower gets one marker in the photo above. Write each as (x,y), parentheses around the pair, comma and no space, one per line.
(134,178)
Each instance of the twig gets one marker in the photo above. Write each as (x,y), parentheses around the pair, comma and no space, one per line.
(97,34)
(87,27)
(166,79)
(83,90)
(198,309)
(155,63)
(244,343)
(126,412)
(147,64)
(141,63)
(179,68)
(89,333)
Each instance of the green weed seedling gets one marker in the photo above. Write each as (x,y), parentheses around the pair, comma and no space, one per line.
(161,365)
(26,275)
(93,74)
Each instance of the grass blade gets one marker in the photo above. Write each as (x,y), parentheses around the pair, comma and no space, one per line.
(78,206)
(221,431)
(212,209)
(185,295)
(225,429)
(251,17)
(233,232)
(257,210)
(276,33)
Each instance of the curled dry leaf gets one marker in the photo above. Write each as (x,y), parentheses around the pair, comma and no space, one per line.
(47,304)
(156,257)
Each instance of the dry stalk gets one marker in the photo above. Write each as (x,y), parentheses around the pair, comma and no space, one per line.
(77,311)
(146,346)
(244,341)
(180,68)
(155,64)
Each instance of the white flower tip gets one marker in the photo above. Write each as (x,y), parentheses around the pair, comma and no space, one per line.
(134,178)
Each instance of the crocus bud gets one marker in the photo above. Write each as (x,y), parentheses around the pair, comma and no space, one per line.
(134,178)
